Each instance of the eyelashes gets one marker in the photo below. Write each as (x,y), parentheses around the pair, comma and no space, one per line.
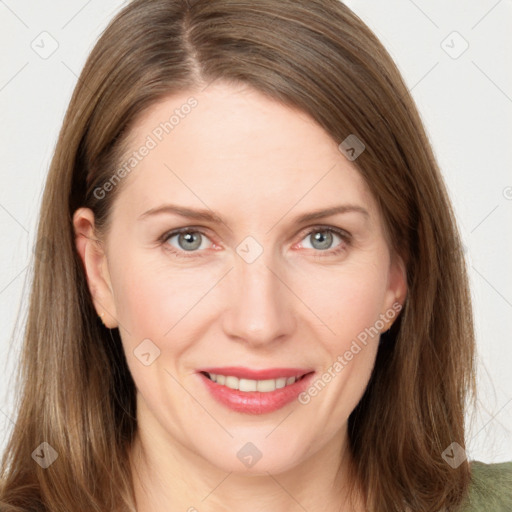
(200,251)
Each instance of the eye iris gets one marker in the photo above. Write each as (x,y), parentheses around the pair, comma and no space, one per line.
(325,239)
(190,241)
(194,239)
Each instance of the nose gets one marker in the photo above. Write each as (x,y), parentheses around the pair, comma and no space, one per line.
(260,306)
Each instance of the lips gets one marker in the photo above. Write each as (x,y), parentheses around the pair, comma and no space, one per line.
(253,374)
(255,391)
(264,386)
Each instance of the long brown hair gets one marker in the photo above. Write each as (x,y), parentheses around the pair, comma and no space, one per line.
(76,392)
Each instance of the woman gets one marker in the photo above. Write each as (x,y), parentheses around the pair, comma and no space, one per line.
(254,296)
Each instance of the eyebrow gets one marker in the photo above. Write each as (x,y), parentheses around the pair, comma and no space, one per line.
(210,216)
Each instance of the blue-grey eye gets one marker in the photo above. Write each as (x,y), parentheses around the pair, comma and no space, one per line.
(188,240)
(321,239)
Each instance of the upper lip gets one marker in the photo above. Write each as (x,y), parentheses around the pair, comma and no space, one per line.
(261,374)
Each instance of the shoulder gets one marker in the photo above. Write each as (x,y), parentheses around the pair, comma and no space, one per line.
(491,487)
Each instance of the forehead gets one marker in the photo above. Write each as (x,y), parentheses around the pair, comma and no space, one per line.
(233,148)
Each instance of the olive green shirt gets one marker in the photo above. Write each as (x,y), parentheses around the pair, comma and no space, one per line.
(491,488)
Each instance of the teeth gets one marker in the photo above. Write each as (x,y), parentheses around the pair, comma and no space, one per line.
(265,386)
(231,382)
(281,383)
(248,385)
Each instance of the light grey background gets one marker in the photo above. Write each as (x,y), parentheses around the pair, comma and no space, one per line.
(465,101)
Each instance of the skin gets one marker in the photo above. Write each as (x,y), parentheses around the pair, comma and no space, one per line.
(258,164)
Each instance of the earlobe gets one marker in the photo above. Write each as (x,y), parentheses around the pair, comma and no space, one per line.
(400,284)
(397,291)
(94,261)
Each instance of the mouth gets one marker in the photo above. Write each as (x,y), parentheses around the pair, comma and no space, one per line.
(255,391)
(250,385)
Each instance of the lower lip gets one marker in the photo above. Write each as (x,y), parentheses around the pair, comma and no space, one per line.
(256,402)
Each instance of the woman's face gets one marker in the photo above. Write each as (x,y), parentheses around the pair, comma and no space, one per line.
(259,290)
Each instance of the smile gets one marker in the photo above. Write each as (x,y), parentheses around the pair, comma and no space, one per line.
(264,386)
(266,392)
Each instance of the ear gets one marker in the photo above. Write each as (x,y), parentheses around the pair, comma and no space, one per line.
(396,292)
(94,259)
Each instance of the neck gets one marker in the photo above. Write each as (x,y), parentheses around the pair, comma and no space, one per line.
(168,476)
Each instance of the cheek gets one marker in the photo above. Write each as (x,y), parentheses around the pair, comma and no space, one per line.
(349,303)
(155,298)
(347,299)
